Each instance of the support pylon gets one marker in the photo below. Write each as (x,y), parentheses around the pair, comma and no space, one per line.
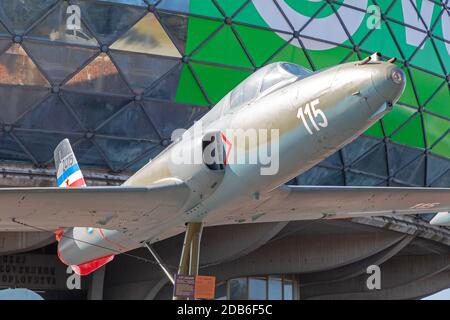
(190,254)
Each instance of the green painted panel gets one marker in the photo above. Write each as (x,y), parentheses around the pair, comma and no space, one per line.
(322,59)
(381,40)
(261,44)
(204,8)
(443,49)
(425,83)
(199,31)
(189,90)
(309,8)
(375,131)
(353,57)
(223,48)
(411,133)
(435,128)
(384,4)
(409,96)
(249,15)
(229,78)
(397,117)
(230,6)
(428,59)
(292,54)
(393,39)
(440,103)
(443,147)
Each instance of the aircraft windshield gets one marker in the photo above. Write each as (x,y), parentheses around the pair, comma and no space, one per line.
(277,74)
(295,69)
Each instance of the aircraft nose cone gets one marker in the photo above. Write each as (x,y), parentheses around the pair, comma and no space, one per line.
(389,81)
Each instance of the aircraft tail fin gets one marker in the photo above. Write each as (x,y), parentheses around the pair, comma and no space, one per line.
(68,173)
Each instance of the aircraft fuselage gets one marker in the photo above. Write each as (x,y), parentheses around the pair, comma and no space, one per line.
(298,121)
(315,116)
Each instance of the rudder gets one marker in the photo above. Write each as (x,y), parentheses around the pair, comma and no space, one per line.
(68,173)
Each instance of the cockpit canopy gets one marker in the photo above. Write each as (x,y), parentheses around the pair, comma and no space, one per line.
(265,80)
(262,82)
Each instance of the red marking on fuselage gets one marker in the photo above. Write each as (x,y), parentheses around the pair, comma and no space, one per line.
(229,145)
(110,241)
(77,183)
(59,234)
(85,268)
(61,258)
(88,267)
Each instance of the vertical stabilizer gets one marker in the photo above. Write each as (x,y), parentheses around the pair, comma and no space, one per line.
(68,173)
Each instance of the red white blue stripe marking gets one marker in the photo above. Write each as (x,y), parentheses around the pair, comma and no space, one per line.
(71,177)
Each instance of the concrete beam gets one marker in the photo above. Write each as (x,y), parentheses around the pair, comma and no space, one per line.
(409,225)
(309,253)
(415,290)
(399,274)
(130,290)
(224,243)
(157,288)
(219,244)
(17,242)
(356,268)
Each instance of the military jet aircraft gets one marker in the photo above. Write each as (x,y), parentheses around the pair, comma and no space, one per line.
(297,117)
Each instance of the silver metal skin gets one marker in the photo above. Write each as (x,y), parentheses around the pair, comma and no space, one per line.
(351,97)
(348,116)
(441,219)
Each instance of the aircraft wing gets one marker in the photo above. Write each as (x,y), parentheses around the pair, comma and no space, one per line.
(100,207)
(290,203)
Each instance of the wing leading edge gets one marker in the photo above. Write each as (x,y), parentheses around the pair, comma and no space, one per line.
(118,207)
(290,203)
(98,207)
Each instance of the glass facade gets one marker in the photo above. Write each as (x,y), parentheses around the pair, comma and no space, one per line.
(117,77)
(256,288)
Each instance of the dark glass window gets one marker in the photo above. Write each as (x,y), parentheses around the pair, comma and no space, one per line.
(264,79)
(221,291)
(276,75)
(246,91)
(288,290)
(237,97)
(238,289)
(295,69)
(275,288)
(257,289)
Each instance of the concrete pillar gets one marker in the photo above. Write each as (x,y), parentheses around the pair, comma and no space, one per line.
(95,291)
